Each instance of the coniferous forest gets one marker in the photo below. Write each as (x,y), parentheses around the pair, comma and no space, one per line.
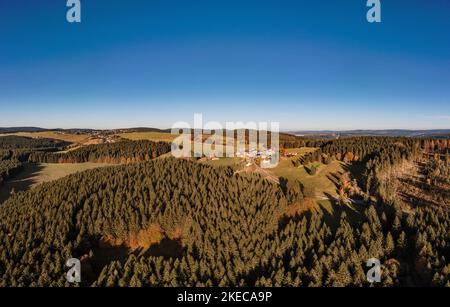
(120,152)
(176,222)
(14,150)
(17,142)
(216,151)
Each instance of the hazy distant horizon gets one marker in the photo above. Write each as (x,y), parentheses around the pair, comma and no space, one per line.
(307,65)
(168,128)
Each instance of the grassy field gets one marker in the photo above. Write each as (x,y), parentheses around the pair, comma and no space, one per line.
(234,163)
(300,151)
(150,136)
(68,137)
(320,182)
(326,194)
(34,174)
(320,185)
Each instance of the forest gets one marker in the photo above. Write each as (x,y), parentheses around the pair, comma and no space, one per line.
(17,142)
(14,150)
(8,168)
(120,152)
(17,150)
(176,222)
(372,155)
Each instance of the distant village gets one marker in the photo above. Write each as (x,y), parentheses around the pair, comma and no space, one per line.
(262,158)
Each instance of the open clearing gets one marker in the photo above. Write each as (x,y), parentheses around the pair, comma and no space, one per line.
(321,182)
(234,163)
(322,185)
(33,174)
(150,136)
(300,151)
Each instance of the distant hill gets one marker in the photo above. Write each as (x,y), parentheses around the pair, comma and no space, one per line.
(21,129)
(325,134)
(445,133)
(4,130)
(141,129)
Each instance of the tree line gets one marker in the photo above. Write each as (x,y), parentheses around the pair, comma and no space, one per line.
(15,150)
(373,154)
(436,170)
(8,168)
(435,145)
(120,152)
(20,142)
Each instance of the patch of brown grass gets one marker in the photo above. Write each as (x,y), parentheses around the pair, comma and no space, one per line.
(299,207)
(151,136)
(68,137)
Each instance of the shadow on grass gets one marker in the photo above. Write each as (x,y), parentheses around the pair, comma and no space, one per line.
(22,181)
(335,179)
(332,215)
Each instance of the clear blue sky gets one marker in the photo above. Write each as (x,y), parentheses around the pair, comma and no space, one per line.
(307,64)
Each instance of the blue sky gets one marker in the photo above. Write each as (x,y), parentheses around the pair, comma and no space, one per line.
(307,64)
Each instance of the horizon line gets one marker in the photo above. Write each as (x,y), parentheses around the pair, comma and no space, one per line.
(282,130)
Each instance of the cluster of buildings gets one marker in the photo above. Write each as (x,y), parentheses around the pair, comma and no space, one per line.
(253,153)
(290,154)
(261,157)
